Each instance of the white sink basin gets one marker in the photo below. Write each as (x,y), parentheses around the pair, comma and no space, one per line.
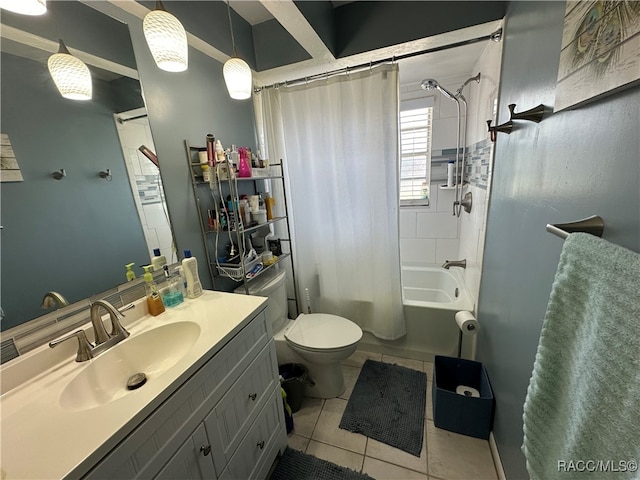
(152,352)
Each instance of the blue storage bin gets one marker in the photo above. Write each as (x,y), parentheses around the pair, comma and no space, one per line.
(467,415)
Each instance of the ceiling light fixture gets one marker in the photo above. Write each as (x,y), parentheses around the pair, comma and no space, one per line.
(25,7)
(167,39)
(70,74)
(237,74)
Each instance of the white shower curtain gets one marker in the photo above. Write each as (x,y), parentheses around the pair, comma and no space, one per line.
(339,140)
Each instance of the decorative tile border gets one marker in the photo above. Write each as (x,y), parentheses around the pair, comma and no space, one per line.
(477,163)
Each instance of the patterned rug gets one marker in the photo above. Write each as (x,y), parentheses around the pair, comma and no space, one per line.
(388,404)
(295,465)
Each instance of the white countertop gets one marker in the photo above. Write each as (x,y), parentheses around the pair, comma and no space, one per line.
(42,440)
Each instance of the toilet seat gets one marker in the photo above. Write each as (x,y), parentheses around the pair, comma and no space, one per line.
(321,331)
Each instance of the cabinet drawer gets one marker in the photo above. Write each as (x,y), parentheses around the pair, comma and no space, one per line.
(146,449)
(232,417)
(258,448)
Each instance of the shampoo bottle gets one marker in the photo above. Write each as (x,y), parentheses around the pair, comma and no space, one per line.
(131,275)
(190,267)
(154,301)
(158,261)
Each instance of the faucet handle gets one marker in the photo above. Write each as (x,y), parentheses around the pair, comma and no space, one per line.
(84,346)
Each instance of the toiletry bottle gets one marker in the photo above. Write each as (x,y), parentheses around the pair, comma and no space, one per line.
(171,290)
(182,281)
(190,266)
(154,300)
(210,156)
(244,167)
(450,174)
(269,203)
(131,275)
(158,261)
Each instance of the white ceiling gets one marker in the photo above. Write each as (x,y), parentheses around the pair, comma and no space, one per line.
(254,12)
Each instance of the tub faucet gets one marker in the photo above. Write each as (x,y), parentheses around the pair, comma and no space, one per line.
(454,263)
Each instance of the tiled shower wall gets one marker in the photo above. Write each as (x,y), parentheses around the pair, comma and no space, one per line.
(432,234)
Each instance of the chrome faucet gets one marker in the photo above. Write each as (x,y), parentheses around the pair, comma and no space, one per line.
(455,263)
(100,334)
(53,299)
(103,340)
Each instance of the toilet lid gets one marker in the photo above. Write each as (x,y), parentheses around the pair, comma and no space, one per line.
(323,331)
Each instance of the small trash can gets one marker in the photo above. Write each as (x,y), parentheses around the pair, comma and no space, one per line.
(462,397)
(294,377)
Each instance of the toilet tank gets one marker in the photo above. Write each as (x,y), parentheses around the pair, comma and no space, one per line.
(271,284)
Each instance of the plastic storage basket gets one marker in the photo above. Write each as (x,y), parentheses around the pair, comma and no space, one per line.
(235,271)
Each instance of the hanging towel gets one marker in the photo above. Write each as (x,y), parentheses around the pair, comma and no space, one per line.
(582,411)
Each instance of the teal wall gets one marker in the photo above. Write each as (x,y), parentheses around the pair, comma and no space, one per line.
(575,163)
(188,105)
(74,235)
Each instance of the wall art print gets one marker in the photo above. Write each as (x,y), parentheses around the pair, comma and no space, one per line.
(600,49)
(9,169)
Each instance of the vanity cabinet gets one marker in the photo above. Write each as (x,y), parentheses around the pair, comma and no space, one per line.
(225,421)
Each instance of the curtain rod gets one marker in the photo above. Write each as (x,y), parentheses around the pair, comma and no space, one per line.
(495,36)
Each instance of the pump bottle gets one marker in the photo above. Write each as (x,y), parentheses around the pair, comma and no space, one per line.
(154,301)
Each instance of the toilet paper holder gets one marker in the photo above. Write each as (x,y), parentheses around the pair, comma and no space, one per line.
(465,321)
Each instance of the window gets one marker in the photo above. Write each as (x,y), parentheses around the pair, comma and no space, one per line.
(415,159)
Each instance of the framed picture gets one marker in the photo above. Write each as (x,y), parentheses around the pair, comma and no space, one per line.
(9,171)
(600,50)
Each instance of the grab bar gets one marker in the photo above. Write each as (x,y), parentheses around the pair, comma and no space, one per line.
(593,225)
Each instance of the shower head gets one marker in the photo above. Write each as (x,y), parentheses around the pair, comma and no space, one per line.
(430,84)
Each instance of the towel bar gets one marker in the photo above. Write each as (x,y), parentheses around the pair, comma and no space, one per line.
(593,225)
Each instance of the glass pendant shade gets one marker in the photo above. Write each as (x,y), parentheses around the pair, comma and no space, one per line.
(237,76)
(25,7)
(167,41)
(70,74)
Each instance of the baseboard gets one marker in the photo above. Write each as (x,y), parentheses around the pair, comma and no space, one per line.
(496,457)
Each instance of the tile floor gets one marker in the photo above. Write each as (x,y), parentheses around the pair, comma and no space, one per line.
(445,455)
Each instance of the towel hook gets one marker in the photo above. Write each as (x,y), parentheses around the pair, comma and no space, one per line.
(534,114)
(593,225)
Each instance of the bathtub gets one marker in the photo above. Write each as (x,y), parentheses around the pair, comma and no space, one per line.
(431,296)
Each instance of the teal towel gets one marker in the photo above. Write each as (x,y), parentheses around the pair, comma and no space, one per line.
(583,400)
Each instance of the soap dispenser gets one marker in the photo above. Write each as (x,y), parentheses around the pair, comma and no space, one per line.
(131,275)
(154,301)
(170,289)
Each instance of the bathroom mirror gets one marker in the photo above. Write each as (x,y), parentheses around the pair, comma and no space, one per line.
(73,235)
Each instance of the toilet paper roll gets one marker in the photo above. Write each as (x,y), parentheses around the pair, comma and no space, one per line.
(467,391)
(467,322)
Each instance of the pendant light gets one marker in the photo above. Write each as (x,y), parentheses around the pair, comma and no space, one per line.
(25,7)
(237,74)
(167,39)
(70,74)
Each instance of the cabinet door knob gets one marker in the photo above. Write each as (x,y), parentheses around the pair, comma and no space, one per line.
(205,449)
(253,396)
(260,445)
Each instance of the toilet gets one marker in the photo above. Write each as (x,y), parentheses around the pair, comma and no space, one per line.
(319,341)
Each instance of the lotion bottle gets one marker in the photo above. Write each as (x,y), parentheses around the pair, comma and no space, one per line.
(154,300)
(190,267)
(158,261)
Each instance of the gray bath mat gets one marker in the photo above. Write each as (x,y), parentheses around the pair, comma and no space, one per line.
(388,405)
(295,465)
